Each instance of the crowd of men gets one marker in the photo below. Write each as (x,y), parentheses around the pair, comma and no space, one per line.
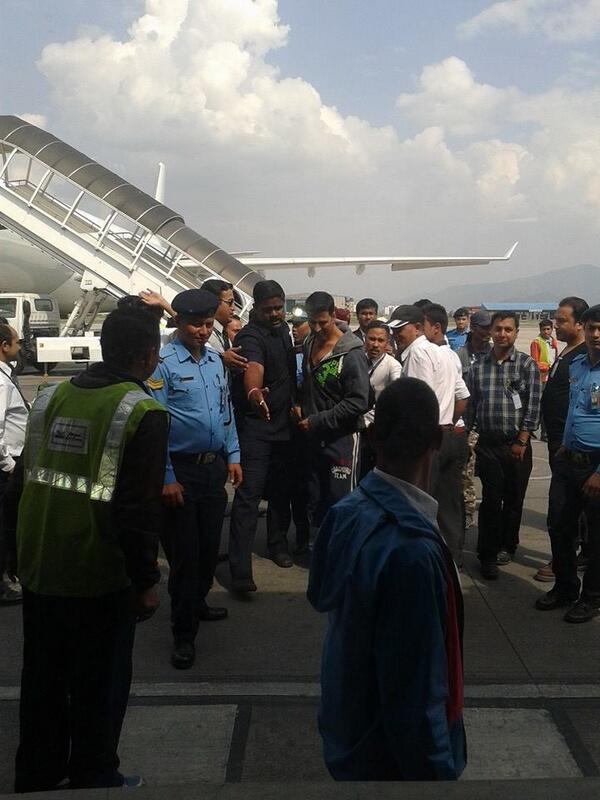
(296,411)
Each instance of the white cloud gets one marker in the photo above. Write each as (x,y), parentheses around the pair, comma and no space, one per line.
(258,160)
(450,96)
(559,20)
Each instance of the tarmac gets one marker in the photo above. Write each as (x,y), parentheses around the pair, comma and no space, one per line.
(243,721)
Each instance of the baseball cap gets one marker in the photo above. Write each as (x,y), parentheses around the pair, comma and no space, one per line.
(405,315)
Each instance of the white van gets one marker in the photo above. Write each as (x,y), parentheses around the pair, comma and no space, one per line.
(32,316)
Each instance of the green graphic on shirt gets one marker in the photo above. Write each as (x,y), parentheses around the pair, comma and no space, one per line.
(329,369)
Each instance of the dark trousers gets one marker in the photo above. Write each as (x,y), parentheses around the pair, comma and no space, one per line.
(74,689)
(582,537)
(447,488)
(4,479)
(566,503)
(553,447)
(191,538)
(366,456)
(278,518)
(266,470)
(504,482)
(333,471)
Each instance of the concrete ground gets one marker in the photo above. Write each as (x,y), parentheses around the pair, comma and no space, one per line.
(246,712)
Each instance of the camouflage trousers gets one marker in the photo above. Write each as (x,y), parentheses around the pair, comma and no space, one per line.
(469,495)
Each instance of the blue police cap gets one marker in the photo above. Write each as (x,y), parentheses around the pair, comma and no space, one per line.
(195,303)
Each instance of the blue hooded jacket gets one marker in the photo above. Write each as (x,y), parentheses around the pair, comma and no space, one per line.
(391,672)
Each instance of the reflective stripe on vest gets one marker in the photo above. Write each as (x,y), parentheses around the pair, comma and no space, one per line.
(103,487)
(35,425)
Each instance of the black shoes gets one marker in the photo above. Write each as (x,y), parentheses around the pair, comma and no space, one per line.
(503,558)
(582,611)
(489,570)
(184,655)
(242,585)
(213,614)
(552,600)
(282,559)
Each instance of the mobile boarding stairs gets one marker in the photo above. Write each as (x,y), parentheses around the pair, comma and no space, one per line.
(118,239)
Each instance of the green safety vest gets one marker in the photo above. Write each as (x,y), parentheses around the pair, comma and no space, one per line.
(67,540)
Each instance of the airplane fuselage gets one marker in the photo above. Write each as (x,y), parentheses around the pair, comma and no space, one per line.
(24,268)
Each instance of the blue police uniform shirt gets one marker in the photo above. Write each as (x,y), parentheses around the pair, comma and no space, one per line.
(196,395)
(582,428)
(456,339)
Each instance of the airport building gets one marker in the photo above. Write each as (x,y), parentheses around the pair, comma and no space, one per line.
(526,311)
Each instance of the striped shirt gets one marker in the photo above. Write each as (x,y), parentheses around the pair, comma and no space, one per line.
(505,395)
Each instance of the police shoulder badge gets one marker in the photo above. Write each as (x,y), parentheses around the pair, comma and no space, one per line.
(155,383)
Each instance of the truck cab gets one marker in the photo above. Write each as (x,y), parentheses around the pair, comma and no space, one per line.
(32,316)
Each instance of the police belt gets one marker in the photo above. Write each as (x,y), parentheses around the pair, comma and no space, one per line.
(194,458)
(592,458)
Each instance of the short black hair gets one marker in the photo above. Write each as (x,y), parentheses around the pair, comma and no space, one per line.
(577,305)
(216,286)
(407,417)
(500,315)
(265,290)
(461,312)
(435,313)
(6,333)
(128,333)
(3,320)
(545,322)
(132,301)
(367,302)
(378,323)
(591,315)
(424,301)
(318,302)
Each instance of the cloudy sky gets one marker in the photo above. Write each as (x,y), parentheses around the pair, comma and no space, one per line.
(335,127)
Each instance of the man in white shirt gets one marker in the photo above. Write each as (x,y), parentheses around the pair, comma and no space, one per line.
(13,422)
(383,370)
(431,360)
(219,339)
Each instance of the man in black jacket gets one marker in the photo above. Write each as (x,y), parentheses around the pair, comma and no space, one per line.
(263,398)
(335,395)
(555,398)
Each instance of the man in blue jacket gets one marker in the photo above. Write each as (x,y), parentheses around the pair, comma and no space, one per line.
(391,673)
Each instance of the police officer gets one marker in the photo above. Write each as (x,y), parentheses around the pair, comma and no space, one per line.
(575,486)
(203,449)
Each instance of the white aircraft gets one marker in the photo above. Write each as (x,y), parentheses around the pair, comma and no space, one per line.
(25,268)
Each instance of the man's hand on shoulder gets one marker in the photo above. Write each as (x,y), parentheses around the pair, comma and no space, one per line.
(172,495)
(233,360)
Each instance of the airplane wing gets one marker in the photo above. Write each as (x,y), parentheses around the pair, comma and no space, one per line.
(396,262)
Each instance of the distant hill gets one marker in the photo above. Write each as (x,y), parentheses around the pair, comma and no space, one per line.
(582,280)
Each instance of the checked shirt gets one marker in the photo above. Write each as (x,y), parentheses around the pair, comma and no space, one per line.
(497,389)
